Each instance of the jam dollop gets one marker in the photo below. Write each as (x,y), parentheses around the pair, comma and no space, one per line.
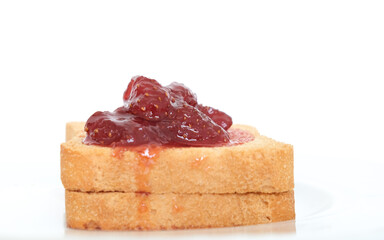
(153,114)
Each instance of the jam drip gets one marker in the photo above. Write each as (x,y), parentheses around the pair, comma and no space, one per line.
(158,115)
(145,159)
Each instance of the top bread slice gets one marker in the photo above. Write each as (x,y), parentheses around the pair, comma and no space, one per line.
(262,165)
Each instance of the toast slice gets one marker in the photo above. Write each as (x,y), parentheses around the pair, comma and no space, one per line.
(128,211)
(260,166)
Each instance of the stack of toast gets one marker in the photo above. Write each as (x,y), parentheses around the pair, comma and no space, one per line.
(176,187)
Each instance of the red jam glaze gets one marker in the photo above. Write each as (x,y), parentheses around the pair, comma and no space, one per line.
(153,114)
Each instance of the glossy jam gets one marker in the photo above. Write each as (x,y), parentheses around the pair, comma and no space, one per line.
(160,115)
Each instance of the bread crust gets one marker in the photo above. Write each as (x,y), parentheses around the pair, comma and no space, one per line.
(128,211)
(262,165)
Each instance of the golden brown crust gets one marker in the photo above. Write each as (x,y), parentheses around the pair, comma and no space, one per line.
(262,165)
(123,211)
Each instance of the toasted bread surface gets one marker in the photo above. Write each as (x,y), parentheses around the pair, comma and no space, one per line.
(128,211)
(262,165)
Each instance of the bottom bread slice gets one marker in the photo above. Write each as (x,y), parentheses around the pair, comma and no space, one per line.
(143,211)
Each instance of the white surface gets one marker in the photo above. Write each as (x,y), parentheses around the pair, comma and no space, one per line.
(303,72)
(326,207)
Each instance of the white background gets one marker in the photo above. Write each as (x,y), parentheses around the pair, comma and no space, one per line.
(308,73)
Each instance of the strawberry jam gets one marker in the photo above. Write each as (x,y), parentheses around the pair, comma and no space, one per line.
(153,114)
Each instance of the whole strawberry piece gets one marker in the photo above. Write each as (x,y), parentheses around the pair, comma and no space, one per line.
(217,116)
(192,127)
(181,92)
(120,128)
(147,99)
(102,129)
